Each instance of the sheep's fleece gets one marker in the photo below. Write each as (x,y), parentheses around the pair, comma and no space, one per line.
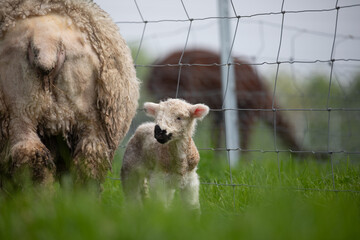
(68,89)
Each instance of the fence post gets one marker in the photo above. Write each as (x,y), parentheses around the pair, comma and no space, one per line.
(228,84)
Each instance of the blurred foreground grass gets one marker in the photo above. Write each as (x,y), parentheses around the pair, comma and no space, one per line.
(264,208)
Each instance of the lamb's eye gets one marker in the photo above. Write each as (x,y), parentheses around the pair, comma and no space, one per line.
(178,118)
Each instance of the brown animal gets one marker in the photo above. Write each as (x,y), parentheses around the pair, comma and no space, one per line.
(68,89)
(203,84)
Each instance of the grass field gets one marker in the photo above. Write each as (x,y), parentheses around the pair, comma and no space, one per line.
(265,198)
(265,208)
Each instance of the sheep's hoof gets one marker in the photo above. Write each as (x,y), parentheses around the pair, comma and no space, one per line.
(90,168)
(91,161)
(33,156)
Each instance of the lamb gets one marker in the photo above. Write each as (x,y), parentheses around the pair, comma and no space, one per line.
(163,154)
(68,89)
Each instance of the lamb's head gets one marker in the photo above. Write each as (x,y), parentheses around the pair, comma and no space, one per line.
(174,118)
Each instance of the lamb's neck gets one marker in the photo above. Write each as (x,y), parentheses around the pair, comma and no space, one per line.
(177,161)
(178,148)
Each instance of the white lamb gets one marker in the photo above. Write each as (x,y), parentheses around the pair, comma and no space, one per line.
(164,154)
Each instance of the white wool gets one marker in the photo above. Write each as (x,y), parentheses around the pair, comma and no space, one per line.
(167,166)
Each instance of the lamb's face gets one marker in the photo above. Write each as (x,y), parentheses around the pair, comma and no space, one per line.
(174,118)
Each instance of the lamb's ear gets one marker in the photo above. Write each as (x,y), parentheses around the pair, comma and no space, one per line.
(199,110)
(151,108)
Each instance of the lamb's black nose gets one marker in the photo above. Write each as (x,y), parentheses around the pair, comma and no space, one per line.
(161,135)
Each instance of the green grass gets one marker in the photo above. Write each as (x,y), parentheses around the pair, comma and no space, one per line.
(265,207)
(265,197)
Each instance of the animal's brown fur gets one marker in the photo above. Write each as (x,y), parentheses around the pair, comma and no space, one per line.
(64,71)
(201,82)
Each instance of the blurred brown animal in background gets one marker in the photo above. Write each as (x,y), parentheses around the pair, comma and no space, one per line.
(203,84)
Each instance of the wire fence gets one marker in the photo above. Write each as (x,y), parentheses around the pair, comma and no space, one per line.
(342,67)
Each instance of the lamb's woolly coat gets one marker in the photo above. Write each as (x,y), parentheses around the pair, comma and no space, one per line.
(169,165)
(65,72)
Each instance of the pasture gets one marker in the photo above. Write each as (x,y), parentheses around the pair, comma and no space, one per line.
(297,204)
(264,197)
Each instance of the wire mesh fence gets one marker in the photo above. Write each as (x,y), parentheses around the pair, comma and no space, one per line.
(300,73)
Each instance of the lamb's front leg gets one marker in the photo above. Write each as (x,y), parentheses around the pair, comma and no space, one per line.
(161,189)
(190,191)
(27,151)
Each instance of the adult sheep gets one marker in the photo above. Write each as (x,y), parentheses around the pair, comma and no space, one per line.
(66,78)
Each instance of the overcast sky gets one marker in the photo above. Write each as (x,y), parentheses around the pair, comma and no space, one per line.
(308,35)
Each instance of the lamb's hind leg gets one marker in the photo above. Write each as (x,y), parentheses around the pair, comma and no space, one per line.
(28,152)
(133,184)
(134,175)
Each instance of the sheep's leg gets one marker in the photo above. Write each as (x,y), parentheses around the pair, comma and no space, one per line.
(145,189)
(133,187)
(167,196)
(28,152)
(91,159)
(190,192)
(161,190)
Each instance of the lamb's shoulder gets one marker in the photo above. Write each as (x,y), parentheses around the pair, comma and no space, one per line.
(179,159)
(192,156)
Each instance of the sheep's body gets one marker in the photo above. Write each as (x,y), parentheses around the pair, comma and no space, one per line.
(147,161)
(168,166)
(65,73)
